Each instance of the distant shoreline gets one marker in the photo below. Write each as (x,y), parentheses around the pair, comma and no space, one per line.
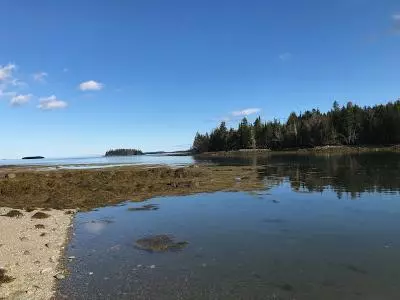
(314,150)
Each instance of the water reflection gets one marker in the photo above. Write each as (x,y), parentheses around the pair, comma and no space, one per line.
(293,240)
(350,175)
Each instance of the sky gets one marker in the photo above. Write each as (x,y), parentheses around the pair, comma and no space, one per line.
(80,77)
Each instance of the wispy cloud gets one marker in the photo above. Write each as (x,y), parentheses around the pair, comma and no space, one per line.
(6,71)
(245,112)
(6,94)
(396,23)
(40,77)
(18,83)
(91,85)
(18,100)
(51,103)
(65,70)
(285,56)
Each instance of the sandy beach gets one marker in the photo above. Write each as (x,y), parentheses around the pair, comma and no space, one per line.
(31,246)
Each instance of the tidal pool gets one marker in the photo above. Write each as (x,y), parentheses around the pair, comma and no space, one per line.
(323,228)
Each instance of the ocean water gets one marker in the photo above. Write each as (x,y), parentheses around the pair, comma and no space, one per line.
(323,227)
(101,161)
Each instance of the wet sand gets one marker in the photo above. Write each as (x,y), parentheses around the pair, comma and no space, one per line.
(30,252)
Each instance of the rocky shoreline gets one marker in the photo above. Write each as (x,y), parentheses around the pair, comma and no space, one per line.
(37,208)
(22,188)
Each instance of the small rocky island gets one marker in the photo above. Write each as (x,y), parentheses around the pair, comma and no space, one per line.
(33,157)
(123,152)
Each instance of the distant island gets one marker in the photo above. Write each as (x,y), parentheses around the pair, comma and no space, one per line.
(33,157)
(123,152)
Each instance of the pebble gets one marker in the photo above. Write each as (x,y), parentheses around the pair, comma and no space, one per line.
(46,270)
(90,273)
(59,276)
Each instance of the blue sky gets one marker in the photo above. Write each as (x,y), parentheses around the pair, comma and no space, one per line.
(80,77)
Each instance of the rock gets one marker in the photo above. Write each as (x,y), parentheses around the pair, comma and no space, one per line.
(13,214)
(26,252)
(10,176)
(46,270)
(59,276)
(152,266)
(90,273)
(160,243)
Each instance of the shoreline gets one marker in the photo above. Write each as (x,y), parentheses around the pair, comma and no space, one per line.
(32,249)
(313,151)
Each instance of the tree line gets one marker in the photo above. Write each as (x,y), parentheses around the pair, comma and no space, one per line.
(346,125)
(123,152)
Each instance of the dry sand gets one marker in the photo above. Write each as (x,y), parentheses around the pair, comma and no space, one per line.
(31,256)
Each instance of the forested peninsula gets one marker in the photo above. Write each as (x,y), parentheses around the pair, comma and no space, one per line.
(349,125)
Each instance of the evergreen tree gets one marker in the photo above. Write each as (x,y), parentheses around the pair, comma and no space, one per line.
(346,125)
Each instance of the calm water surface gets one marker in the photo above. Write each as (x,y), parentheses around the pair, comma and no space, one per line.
(100,161)
(322,228)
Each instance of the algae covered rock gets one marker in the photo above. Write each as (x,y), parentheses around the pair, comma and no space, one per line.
(160,243)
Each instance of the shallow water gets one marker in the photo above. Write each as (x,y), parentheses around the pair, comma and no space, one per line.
(100,161)
(323,228)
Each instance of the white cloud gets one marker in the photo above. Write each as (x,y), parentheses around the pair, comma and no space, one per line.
(396,17)
(40,77)
(50,103)
(246,112)
(285,56)
(18,100)
(6,71)
(65,70)
(91,85)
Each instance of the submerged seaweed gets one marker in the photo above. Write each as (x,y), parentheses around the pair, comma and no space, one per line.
(160,243)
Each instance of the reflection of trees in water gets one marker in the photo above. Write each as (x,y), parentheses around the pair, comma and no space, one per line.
(344,174)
